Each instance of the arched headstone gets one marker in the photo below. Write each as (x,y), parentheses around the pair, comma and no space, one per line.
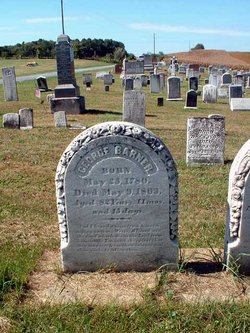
(117,199)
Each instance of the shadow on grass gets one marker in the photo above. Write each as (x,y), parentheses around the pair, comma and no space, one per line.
(95,111)
(228,161)
(201,267)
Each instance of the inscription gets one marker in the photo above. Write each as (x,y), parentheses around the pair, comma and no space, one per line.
(114,238)
(125,151)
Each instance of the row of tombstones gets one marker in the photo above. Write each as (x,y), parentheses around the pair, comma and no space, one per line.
(117,198)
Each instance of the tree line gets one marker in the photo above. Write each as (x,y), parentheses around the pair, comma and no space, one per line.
(86,48)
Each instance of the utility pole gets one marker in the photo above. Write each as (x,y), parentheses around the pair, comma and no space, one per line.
(154,44)
(62,17)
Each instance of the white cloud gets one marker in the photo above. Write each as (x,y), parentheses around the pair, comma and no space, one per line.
(55,19)
(185,29)
(7,28)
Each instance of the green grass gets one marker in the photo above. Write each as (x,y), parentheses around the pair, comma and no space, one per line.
(28,219)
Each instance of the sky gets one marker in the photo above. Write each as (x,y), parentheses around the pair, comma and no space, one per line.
(143,26)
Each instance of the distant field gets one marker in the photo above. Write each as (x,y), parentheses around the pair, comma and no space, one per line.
(44,65)
(214,57)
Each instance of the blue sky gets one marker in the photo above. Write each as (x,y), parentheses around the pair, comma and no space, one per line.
(177,24)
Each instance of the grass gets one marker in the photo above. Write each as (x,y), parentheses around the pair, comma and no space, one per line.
(28,219)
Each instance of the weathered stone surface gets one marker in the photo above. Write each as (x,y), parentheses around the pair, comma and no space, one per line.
(174,88)
(108,79)
(87,78)
(42,84)
(134,106)
(133,67)
(9,84)
(237,239)
(240,104)
(137,83)
(128,84)
(205,140)
(65,90)
(117,199)
(209,93)
(155,83)
(60,119)
(11,120)
(26,118)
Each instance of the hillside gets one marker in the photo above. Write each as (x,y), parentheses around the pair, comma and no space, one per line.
(214,57)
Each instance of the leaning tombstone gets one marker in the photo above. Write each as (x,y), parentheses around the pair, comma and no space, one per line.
(174,88)
(26,118)
(9,84)
(117,200)
(134,106)
(237,238)
(42,84)
(11,120)
(191,100)
(209,93)
(205,140)
(60,119)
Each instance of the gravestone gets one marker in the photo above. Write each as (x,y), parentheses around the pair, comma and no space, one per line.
(26,118)
(193,83)
(129,84)
(154,83)
(174,88)
(239,79)
(134,106)
(60,119)
(237,238)
(11,120)
(226,79)
(137,83)
(160,101)
(9,84)
(248,82)
(117,199)
(205,140)
(67,93)
(87,78)
(162,81)
(144,80)
(118,68)
(235,91)
(209,93)
(106,88)
(191,100)
(133,67)
(42,84)
(240,104)
(189,73)
(108,79)
(223,92)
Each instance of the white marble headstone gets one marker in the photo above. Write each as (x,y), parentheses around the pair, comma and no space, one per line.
(237,239)
(117,199)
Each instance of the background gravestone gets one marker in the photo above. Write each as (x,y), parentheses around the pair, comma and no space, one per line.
(191,100)
(60,119)
(155,83)
(174,88)
(9,84)
(237,239)
(134,106)
(26,118)
(205,140)
(117,189)
(235,91)
(209,93)
(11,120)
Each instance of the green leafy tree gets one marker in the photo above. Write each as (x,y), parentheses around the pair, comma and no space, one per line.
(198,46)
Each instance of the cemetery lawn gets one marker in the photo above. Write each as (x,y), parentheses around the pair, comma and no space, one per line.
(35,296)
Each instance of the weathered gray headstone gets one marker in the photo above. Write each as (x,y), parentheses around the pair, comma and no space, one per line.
(9,84)
(26,118)
(11,120)
(137,83)
(117,199)
(87,78)
(223,92)
(209,93)
(240,104)
(134,106)
(154,83)
(128,84)
(205,140)
(108,79)
(133,67)
(60,119)
(174,88)
(237,239)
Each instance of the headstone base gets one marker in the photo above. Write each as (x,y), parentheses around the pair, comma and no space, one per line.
(174,99)
(190,107)
(66,90)
(71,105)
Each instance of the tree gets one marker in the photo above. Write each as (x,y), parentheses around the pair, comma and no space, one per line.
(198,46)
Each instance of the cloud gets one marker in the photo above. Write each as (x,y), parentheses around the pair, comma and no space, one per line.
(184,29)
(56,19)
(7,28)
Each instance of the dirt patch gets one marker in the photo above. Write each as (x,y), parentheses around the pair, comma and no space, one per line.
(202,279)
(5,325)
(213,57)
